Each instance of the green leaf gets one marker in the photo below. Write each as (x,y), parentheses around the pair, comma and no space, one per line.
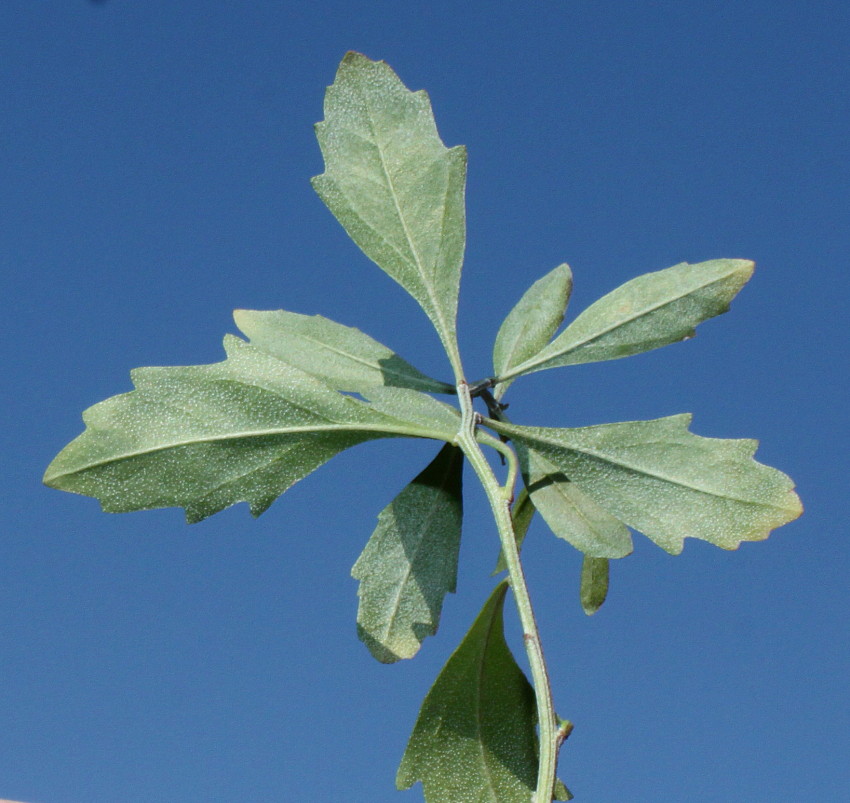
(531,324)
(342,356)
(645,313)
(571,514)
(393,185)
(594,583)
(666,482)
(475,736)
(411,405)
(410,562)
(521,515)
(205,437)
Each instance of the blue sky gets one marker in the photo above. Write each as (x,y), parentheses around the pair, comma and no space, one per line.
(155,165)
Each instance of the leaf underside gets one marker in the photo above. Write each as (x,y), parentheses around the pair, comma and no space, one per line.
(393,185)
(666,482)
(475,736)
(530,325)
(570,513)
(410,561)
(648,312)
(344,357)
(206,437)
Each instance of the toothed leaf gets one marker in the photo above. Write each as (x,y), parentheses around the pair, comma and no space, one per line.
(666,482)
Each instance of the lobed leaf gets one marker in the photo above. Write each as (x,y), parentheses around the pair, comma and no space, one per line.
(410,561)
(571,514)
(393,185)
(205,437)
(594,583)
(645,313)
(475,736)
(666,482)
(530,325)
(344,357)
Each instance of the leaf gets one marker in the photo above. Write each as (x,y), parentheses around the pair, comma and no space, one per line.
(530,325)
(571,514)
(475,737)
(410,561)
(393,185)
(594,583)
(666,482)
(342,356)
(205,437)
(521,515)
(411,405)
(645,313)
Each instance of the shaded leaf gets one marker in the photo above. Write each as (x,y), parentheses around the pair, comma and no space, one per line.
(571,514)
(594,583)
(410,561)
(668,483)
(530,325)
(645,313)
(342,356)
(475,736)
(205,437)
(522,513)
(393,185)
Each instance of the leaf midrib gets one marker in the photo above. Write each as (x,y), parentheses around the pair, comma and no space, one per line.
(618,463)
(427,280)
(432,512)
(400,431)
(543,358)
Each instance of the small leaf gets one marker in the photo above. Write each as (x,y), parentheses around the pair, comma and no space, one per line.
(645,313)
(571,514)
(594,583)
(410,561)
(475,736)
(393,185)
(666,482)
(531,324)
(521,515)
(342,356)
(208,436)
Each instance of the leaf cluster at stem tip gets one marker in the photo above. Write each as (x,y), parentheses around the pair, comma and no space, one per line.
(296,390)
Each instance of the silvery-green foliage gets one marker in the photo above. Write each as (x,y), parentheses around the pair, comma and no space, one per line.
(247,428)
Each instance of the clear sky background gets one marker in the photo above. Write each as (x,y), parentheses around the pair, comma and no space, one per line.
(154,167)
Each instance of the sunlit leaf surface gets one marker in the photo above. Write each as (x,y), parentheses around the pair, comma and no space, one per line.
(205,437)
(394,186)
(668,483)
(342,356)
(645,313)
(530,325)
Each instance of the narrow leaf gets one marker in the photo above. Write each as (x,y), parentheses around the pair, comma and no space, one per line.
(475,736)
(522,513)
(645,313)
(393,185)
(205,437)
(666,482)
(594,583)
(531,324)
(410,562)
(571,514)
(342,356)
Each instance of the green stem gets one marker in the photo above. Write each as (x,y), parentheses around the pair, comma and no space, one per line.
(500,498)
